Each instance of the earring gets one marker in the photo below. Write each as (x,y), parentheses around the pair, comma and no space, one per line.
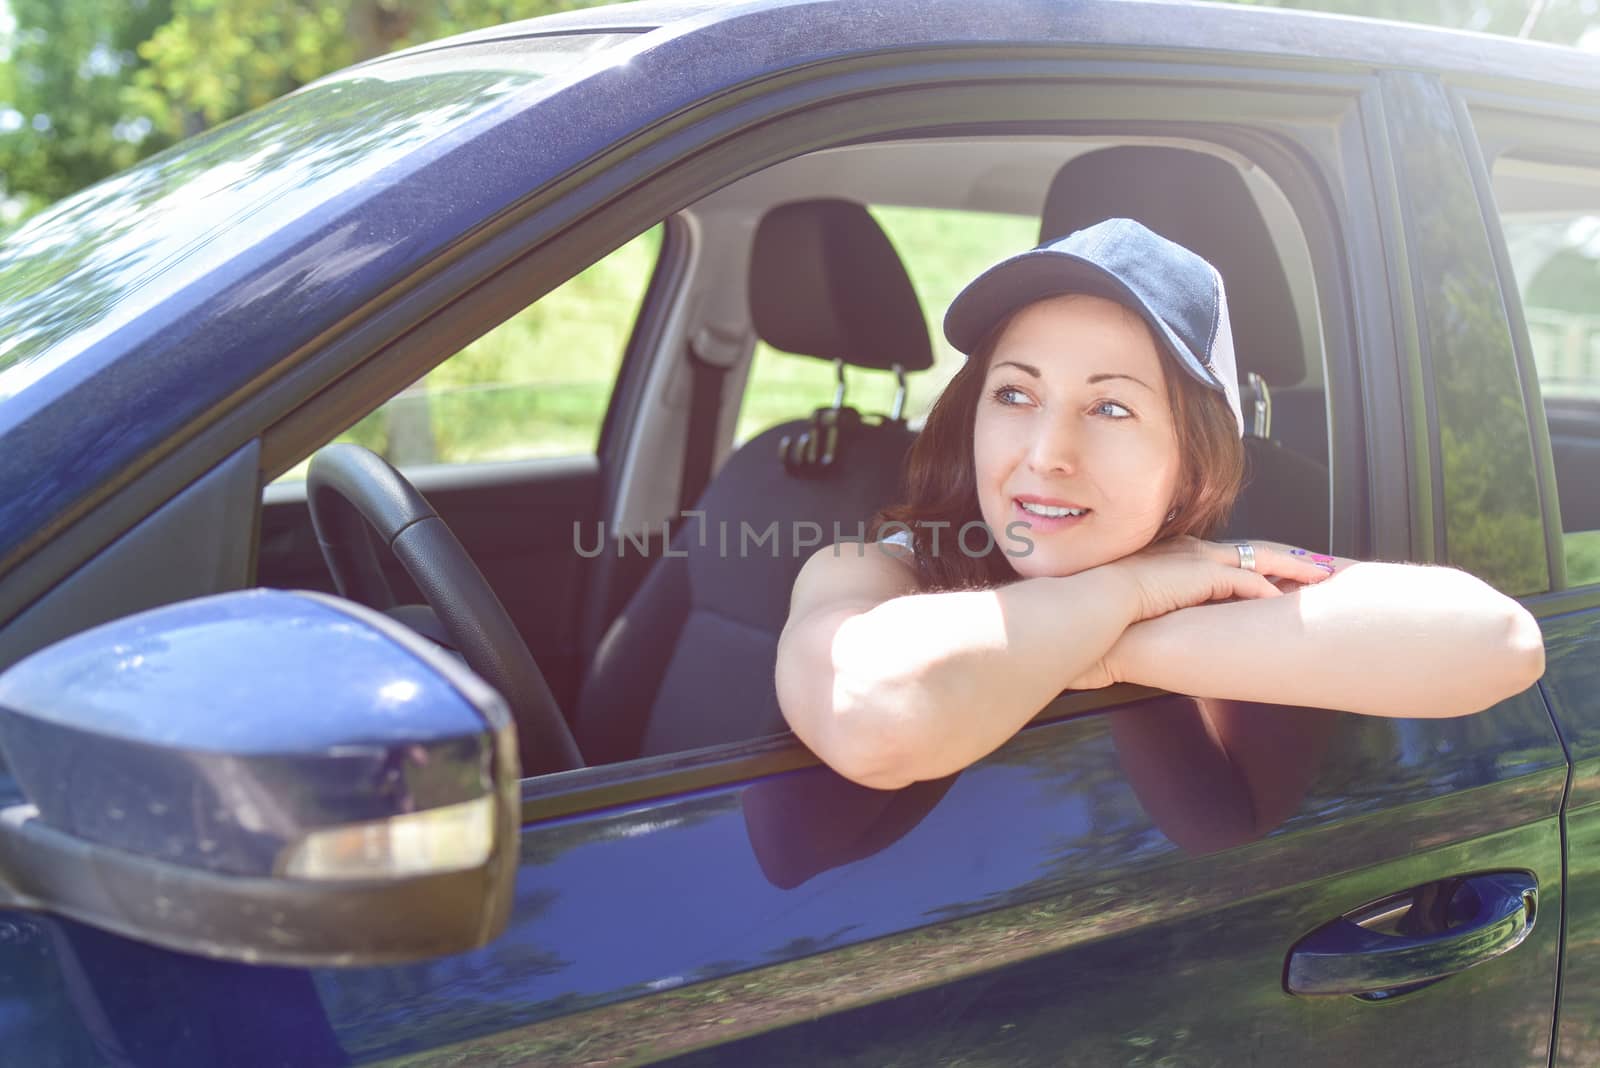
(1172,515)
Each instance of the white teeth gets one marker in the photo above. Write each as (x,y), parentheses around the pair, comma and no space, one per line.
(1049,511)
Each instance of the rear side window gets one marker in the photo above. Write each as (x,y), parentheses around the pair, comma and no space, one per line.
(942,251)
(537,385)
(1551,219)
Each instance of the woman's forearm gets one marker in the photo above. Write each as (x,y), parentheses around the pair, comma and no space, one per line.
(925,684)
(1380,639)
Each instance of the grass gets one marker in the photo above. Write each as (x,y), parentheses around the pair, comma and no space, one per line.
(1583,556)
(538,384)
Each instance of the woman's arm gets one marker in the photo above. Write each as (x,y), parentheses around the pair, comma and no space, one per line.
(889,686)
(1380,639)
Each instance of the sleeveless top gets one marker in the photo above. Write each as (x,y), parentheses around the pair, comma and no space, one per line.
(901,538)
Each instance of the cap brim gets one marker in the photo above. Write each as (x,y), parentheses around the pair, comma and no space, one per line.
(1039,273)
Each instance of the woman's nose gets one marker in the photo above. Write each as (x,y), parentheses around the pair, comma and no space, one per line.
(1055,448)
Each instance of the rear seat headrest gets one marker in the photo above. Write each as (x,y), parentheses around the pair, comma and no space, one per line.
(826,282)
(1202,203)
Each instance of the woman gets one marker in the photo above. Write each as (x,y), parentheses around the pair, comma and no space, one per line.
(1059,497)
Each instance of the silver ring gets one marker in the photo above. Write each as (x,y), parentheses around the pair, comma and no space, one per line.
(1247,555)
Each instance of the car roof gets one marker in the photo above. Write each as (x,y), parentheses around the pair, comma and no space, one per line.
(1192,25)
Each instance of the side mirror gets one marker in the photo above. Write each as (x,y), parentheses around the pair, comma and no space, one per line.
(263,776)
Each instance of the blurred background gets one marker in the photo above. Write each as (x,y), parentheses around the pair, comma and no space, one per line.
(89,88)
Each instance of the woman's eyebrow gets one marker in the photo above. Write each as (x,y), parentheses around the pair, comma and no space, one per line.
(1028,368)
(1102,377)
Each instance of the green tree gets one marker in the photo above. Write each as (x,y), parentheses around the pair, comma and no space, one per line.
(89,87)
(214,59)
(65,120)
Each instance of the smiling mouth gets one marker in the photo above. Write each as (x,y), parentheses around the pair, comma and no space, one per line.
(1050,511)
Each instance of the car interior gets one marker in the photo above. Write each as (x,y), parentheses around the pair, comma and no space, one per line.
(673,649)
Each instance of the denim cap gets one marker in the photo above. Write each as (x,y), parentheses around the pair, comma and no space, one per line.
(1176,291)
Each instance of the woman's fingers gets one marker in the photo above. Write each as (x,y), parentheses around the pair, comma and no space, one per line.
(1304,567)
(1270,560)
(1252,585)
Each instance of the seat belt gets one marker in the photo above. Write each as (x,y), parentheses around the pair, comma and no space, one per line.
(711,351)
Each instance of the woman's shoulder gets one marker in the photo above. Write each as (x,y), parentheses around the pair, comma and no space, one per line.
(852,572)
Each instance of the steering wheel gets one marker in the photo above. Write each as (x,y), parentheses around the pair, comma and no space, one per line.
(348,489)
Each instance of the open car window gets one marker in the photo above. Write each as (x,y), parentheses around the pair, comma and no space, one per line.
(535,386)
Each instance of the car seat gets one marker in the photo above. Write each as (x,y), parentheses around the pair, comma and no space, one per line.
(1202,203)
(689,661)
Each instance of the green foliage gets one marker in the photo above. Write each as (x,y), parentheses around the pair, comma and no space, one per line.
(1582,550)
(97,85)
(217,58)
(214,60)
(536,385)
(66,85)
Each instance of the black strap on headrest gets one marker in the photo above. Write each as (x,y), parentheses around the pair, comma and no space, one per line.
(826,282)
(814,450)
(1202,203)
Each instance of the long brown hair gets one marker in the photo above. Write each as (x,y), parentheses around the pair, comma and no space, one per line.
(941,486)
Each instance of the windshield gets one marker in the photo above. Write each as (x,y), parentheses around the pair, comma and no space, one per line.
(75,273)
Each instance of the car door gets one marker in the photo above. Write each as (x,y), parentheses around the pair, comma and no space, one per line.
(1540,189)
(1095,891)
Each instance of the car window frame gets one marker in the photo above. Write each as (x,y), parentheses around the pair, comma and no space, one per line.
(1494,124)
(655,776)
(1440,264)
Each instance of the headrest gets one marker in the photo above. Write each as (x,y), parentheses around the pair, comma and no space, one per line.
(826,282)
(1200,202)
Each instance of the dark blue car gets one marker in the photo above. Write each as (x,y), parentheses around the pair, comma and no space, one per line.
(317,762)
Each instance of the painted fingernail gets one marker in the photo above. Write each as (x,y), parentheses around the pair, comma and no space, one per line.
(1326,567)
(1319,558)
(1297,552)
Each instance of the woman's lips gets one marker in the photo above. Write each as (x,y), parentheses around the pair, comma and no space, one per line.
(1045,524)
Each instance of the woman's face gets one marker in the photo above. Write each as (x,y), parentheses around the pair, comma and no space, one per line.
(1074,415)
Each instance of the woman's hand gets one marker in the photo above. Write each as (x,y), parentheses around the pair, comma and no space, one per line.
(1185,571)
(1097,676)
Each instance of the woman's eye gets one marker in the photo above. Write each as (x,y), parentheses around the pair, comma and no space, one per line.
(1009,395)
(1113,409)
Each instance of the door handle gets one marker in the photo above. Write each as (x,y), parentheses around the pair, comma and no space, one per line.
(1416,937)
